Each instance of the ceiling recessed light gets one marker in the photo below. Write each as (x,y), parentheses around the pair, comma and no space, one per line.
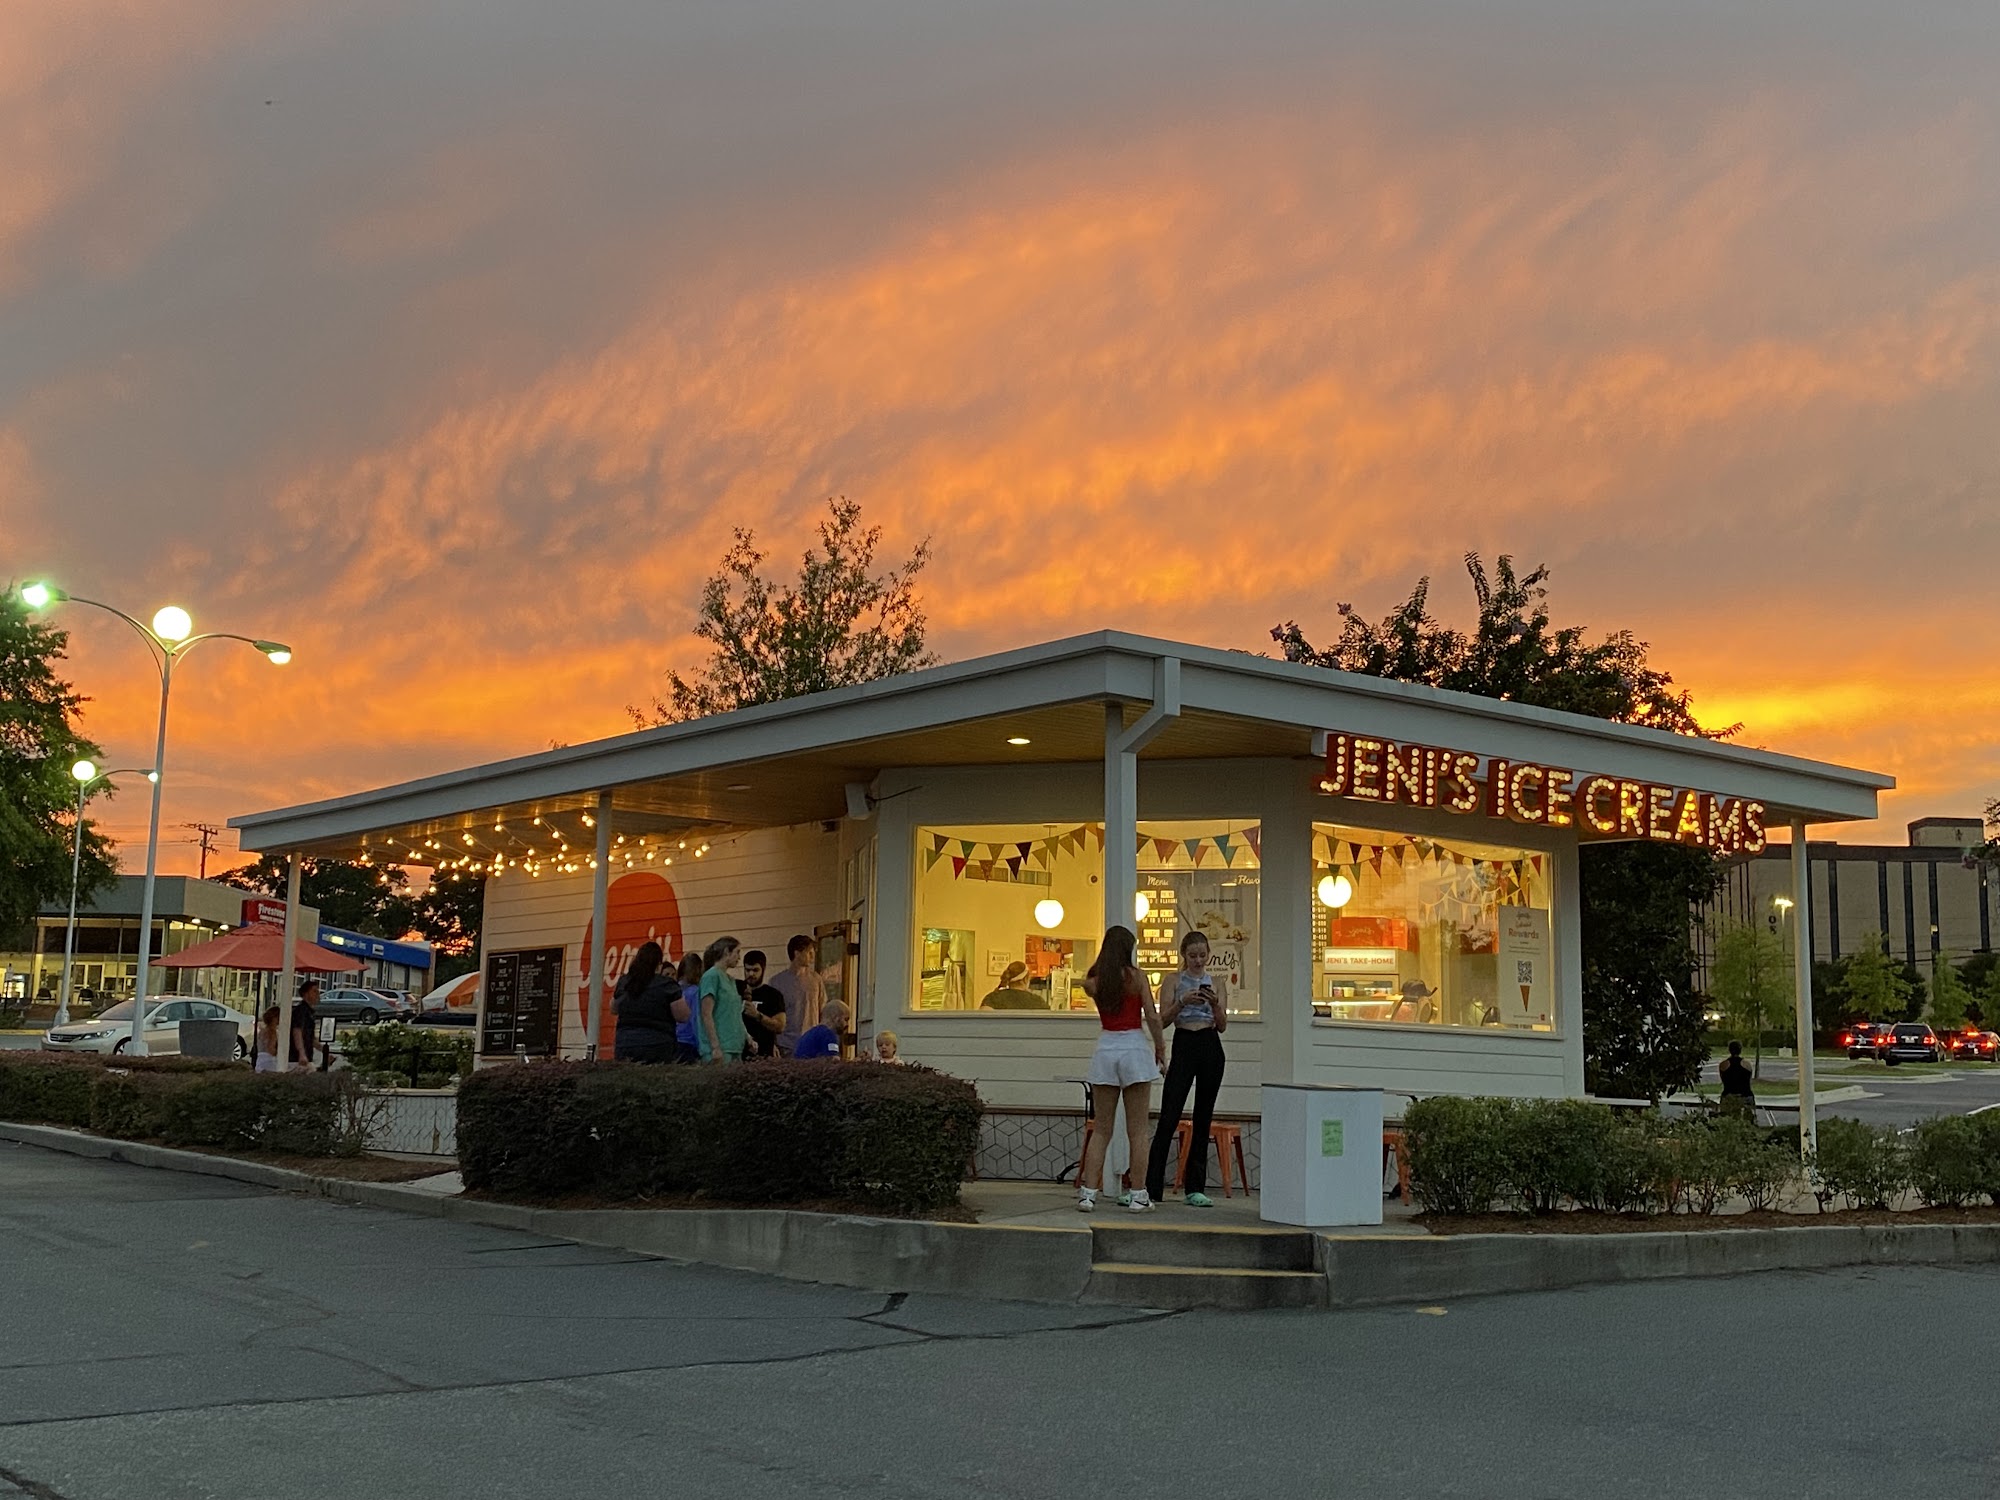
(1018,739)
(738,786)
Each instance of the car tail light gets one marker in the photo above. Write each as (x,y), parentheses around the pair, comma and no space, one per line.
(1846,1041)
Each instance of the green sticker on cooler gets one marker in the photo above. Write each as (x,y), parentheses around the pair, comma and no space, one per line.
(1332,1137)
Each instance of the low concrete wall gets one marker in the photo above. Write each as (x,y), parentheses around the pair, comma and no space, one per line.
(1368,1271)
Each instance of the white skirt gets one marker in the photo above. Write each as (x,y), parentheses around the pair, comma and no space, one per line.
(267,1062)
(1122,1059)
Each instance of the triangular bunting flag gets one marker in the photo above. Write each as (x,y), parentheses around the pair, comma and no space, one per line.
(938,841)
(957,867)
(1014,864)
(965,847)
(931,857)
(1164,848)
(1255,838)
(1023,848)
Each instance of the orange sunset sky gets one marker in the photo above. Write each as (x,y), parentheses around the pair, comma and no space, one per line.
(448,341)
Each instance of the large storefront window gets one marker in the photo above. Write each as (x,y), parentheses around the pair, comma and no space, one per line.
(1436,932)
(1009,916)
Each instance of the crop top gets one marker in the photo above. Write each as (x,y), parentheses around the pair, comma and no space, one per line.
(1127,1015)
(1193,1013)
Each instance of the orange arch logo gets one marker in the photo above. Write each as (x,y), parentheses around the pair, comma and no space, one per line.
(639,908)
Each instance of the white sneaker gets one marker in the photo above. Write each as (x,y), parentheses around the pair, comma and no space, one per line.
(1086,1200)
(1140,1203)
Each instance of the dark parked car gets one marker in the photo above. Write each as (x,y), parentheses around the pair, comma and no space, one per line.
(365,1006)
(1858,1037)
(1970,1044)
(442,1016)
(1908,1041)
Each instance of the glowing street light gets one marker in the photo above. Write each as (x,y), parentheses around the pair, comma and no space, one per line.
(170,636)
(87,775)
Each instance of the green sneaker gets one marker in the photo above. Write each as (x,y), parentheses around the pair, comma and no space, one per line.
(1200,1200)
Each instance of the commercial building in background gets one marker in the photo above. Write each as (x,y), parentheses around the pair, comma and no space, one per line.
(1386,873)
(1916,900)
(186,911)
(391,964)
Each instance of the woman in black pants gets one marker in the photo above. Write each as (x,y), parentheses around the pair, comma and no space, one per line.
(1195,1007)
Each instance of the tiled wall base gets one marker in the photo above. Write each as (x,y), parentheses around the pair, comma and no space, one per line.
(1022,1147)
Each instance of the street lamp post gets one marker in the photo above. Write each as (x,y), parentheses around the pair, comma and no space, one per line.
(87,776)
(169,638)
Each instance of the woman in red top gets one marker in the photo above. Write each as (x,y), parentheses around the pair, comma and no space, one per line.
(1130,1053)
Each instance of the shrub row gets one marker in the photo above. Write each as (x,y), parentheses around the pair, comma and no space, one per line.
(186,1102)
(776,1132)
(393,1055)
(1470,1156)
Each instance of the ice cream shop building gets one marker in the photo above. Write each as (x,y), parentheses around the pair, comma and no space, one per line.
(1387,874)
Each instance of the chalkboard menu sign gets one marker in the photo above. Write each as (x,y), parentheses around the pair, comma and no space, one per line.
(522,991)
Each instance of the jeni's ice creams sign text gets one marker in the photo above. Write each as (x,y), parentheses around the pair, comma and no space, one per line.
(1376,770)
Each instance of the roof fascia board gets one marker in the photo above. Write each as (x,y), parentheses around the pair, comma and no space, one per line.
(727,740)
(1527,734)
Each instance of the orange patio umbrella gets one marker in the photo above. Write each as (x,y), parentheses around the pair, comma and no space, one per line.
(261,949)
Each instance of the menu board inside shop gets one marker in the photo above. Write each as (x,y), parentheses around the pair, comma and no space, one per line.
(520,1015)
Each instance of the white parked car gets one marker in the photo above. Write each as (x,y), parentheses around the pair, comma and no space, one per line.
(112,1030)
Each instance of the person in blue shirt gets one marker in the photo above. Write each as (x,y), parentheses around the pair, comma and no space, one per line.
(823,1040)
(686,1048)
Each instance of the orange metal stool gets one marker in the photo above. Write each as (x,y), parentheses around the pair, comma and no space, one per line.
(1227,1138)
(1392,1140)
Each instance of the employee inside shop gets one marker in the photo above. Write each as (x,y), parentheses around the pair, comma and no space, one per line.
(1013,992)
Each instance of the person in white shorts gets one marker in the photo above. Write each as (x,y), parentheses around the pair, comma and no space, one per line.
(1130,1053)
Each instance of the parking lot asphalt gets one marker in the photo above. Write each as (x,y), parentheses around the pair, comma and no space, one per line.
(170,1337)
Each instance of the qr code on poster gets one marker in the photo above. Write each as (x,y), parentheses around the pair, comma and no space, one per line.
(1524,971)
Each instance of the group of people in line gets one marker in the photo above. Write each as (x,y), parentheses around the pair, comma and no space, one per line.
(721,1005)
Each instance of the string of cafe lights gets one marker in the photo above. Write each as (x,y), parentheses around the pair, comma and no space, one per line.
(493,858)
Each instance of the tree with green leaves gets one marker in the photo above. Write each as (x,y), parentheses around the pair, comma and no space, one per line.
(1876,987)
(373,899)
(1642,1020)
(39,742)
(1750,981)
(1949,995)
(841,623)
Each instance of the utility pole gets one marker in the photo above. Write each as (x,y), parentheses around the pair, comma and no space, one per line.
(205,834)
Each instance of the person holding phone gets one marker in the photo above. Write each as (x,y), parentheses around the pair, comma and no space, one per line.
(1196,1006)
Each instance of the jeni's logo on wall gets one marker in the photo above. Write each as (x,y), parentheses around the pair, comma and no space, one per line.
(1375,770)
(639,908)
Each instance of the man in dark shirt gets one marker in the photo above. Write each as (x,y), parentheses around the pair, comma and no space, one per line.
(1737,1097)
(763,1007)
(305,1024)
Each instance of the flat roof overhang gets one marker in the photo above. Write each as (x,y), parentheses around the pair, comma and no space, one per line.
(791,762)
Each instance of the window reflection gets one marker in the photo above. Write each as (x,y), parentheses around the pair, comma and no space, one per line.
(1431,932)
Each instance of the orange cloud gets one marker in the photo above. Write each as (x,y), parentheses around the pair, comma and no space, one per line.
(1194,381)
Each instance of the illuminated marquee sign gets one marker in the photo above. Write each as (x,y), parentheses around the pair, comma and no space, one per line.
(1377,770)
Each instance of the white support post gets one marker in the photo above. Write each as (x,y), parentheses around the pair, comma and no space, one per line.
(600,914)
(287,973)
(1121,822)
(1802,951)
(1122,745)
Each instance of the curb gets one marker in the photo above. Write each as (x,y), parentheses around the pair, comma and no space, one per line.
(1377,1271)
(1032,1264)
(1012,1262)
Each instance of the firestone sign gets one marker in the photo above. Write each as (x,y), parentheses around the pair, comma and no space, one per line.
(1378,770)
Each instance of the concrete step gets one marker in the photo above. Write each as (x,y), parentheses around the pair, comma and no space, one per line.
(1148,1242)
(1196,1286)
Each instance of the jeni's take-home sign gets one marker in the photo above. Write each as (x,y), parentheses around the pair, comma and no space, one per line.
(1378,770)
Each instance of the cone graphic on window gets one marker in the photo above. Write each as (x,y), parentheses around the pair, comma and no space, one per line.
(1524,995)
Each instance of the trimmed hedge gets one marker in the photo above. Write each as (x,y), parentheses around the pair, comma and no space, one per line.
(184,1101)
(393,1055)
(771,1132)
(1538,1156)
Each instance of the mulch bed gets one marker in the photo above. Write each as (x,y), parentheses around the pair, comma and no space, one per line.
(953,1215)
(1580,1222)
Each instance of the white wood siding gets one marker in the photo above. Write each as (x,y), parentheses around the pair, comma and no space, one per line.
(1441,1060)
